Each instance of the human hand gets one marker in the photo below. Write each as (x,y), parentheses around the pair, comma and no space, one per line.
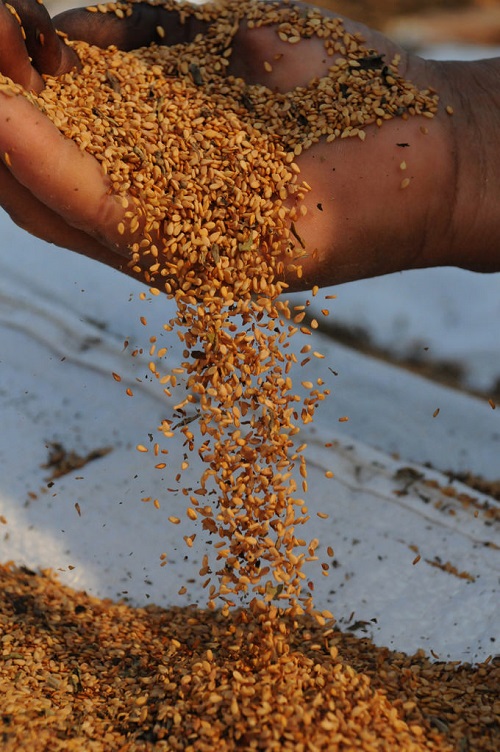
(360,221)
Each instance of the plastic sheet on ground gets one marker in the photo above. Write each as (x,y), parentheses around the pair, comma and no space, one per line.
(416,560)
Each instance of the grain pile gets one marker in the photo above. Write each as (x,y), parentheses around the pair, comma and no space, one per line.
(204,164)
(78,673)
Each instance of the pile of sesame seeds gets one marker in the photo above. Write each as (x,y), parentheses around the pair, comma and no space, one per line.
(79,673)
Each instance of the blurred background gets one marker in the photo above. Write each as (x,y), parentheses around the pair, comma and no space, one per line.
(417,23)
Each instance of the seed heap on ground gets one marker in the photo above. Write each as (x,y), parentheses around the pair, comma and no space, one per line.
(78,673)
(205,165)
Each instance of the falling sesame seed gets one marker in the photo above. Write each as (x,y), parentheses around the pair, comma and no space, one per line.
(215,176)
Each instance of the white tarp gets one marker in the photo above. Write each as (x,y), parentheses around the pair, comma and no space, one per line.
(63,322)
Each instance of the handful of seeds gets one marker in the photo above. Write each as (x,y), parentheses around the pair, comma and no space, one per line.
(205,166)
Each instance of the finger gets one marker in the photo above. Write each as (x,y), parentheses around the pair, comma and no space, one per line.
(36,218)
(48,52)
(64,178)
(145,24)
(14,59)
(260,57)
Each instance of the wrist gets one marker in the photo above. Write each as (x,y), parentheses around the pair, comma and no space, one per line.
(471,92)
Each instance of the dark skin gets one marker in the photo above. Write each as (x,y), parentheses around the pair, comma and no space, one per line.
(366,226)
